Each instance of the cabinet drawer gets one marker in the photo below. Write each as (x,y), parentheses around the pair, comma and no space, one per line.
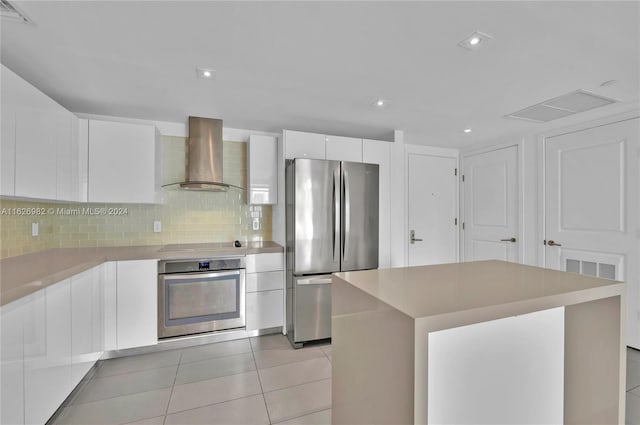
(257,263)
(265,281)
(264,309)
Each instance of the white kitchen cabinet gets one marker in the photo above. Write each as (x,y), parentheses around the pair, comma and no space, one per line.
(47,351)
(262,170)
(256,263)
(265,291)
(108,276)
(124,162)
(298,144)
(379,152)
(38,139)
(7,145)
(137,303)
(265,281)
(264,309)
(11,362)
(343,148)
(86,322)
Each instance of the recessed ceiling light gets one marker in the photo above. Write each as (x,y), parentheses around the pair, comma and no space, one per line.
(475,40)
(206,73)
(380,103)
(467,130)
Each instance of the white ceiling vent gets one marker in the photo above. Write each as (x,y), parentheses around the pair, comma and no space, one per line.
(562,106)
(11,12)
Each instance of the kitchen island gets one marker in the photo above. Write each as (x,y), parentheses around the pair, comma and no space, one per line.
(481,342)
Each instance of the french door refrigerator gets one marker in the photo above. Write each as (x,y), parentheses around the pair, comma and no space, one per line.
(331,226)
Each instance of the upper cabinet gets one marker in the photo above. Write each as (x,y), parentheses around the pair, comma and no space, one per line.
(37,152)
(320,146)
(262,158)
(343,148)
(124,163)
(304,145)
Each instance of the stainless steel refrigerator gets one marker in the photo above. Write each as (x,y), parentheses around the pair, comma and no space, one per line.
(332,226)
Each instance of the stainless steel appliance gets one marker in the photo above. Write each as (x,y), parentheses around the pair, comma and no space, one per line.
(332,226)
(197,296)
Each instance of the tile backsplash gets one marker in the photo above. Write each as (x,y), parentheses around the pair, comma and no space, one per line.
(186,217)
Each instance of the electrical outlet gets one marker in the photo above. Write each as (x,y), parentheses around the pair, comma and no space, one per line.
(256,223)
(34,229)
(157,226)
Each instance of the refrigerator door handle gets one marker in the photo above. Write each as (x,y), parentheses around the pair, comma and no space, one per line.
(347,214)
(336,215)
(314,281)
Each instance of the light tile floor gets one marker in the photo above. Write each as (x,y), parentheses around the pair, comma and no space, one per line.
(252,381)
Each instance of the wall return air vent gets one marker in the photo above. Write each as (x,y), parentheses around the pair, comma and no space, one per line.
(562,106)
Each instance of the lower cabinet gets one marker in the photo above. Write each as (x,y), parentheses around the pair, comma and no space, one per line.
(87,322)
(264,309)
(137,303)
(47,351)
(265,291)
(12,362)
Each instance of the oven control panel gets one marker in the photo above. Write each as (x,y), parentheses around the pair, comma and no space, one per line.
(204,265)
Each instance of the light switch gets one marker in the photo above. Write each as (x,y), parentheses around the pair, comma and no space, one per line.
(34,229)
(157,226)
(256,223)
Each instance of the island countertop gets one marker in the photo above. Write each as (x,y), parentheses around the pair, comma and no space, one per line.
(445,289)
(387,324)
(25,274)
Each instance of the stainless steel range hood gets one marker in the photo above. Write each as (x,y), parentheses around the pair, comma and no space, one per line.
(204,157)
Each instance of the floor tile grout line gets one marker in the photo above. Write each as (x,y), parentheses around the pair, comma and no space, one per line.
(135,371)
(221,376)
(299,385)
(213,404)
(266,408)
(293,362)
(301,416)
(166,409)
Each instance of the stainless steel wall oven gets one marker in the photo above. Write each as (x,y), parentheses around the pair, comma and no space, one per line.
(196,296)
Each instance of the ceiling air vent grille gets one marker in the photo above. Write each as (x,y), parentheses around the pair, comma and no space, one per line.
(562,106)
(11,12)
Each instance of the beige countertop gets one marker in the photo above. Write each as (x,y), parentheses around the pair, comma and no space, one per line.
(439,290)
(25,274)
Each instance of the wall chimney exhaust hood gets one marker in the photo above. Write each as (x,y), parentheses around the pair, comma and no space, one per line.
(204,157)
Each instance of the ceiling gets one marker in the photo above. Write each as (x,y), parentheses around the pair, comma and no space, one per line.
(320,66)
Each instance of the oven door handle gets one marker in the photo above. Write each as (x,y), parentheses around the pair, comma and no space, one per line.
(200,276)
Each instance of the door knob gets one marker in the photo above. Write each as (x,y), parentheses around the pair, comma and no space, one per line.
(508,240)
(412,237)
(553,243)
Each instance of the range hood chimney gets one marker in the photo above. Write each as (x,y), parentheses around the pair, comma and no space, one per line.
(204,156)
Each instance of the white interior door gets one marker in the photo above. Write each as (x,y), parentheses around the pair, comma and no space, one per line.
(591,207)
(432,209)
(491,225)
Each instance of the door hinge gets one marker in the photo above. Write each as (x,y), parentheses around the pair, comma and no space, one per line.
(455,171)
(455,221)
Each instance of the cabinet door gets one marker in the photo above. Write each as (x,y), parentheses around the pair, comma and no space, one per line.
(37,135)
(47,351)
(256,263)
(344,148)
(262,158)
(378,152)
(11,362)
(7,148)
(298,144)
(137,303)
(265,281)
(264,309)
(122,162)
(67,159)
(108,279)
(86,322)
